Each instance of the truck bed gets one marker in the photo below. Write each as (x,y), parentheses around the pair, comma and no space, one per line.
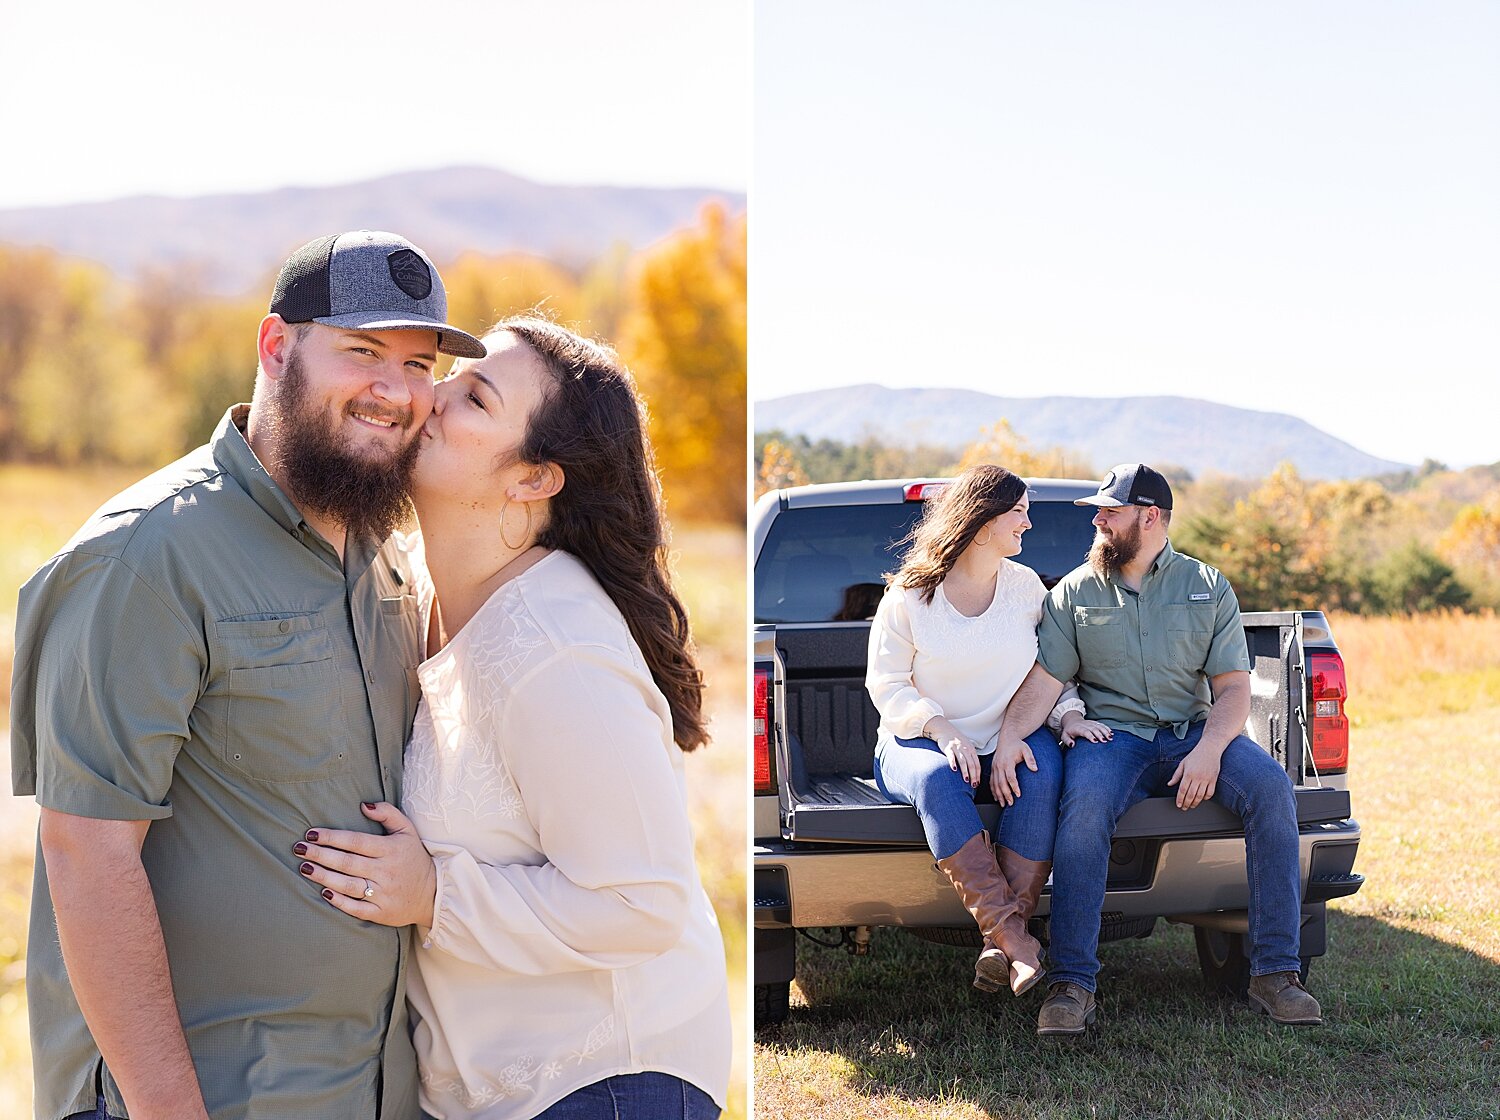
(829,793)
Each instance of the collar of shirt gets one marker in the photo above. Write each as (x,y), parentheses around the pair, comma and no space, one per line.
(232,451)
(1159,565)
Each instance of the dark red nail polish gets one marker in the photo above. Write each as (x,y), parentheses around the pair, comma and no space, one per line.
(328,894)
(368,804)
(312,834)
(300,848)
(306,869)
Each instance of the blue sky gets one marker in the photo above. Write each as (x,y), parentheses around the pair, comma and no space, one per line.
(178,97)
(1282,206)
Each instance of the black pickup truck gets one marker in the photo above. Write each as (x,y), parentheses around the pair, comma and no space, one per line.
(830,851)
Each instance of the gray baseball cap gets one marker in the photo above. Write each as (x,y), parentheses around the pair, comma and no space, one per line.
(1131,484)
(369,280)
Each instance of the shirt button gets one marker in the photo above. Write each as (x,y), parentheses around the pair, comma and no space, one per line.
(284,627)
(370,676)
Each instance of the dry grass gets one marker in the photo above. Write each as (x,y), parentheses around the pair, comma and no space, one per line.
(41,507)
(1419,664)
(1410,986)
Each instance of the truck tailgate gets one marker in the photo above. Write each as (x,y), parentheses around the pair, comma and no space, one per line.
(851,810)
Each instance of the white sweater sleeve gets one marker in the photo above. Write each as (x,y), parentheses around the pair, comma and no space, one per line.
(1067,702)
(582,735)
(889,675)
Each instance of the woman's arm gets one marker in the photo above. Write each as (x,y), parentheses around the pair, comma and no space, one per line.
(888,678)
(1068,701)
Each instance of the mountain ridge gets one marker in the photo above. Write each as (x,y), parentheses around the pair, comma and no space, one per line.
(233,241)
(1202,436)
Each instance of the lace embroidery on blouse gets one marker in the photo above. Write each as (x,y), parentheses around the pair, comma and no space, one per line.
(1014,609)
(518,1077)
(454,767)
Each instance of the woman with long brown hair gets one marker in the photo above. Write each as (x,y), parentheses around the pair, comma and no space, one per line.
(952,639)
(570,965)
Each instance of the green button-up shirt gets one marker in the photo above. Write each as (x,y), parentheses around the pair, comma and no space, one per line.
(1142,660)
(198,657)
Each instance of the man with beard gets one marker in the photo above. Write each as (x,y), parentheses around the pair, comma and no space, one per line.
(1154,640)
(223,655)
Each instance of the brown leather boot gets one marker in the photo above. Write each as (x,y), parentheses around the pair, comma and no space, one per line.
(986,895)
(1282,996)
(1026,877)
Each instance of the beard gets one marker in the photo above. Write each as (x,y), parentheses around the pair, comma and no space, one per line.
(1108,555)
(324,474)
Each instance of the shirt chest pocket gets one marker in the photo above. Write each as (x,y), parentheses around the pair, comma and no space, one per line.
(1190,633)
(1101,637)
(284,711)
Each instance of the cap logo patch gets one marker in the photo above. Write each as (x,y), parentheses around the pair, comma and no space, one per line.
(410,272)
(1109,480)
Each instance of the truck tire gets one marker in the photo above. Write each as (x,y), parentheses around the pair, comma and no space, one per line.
(772,1002)
(1224,962)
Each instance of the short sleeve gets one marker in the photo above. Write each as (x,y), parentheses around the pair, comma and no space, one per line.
(1056,637)
(109,674)
(1227,652)
(892,658)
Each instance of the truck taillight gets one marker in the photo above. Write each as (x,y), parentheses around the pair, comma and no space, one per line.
(764,782)
(1330,727)
(922,491)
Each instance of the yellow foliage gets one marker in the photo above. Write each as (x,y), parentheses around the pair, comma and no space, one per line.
(778,468)
(483,289)
(1001,445)
(684,336)
(97,370)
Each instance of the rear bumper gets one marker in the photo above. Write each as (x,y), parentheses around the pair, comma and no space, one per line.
(805,884)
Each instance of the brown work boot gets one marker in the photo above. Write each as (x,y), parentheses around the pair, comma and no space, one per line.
(986,895)
(1068,1009)
(1026,878)
(1282,996)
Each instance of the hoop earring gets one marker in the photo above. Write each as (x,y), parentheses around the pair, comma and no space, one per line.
(988,533)
(525,533)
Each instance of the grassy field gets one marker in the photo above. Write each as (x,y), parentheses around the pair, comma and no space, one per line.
(1410,987)
(40,508)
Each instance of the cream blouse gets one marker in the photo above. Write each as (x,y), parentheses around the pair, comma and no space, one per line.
(929,659)
(571,939)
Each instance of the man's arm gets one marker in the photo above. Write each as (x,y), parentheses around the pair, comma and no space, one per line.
(117,961)
(1031,704)
(1198,773)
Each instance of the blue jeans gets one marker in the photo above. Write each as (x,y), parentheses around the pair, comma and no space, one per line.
(635,1096)
(915,772)
(97,1113)
(1102,780)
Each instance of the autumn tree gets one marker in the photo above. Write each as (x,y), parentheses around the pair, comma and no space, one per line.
(30,289)
(482,289)
(1002,445)
(684,336)
(1472,545)
(778,468)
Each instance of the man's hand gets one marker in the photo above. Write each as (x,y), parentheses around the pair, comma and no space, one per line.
(1010,752)
(1199,774)
(957,748)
